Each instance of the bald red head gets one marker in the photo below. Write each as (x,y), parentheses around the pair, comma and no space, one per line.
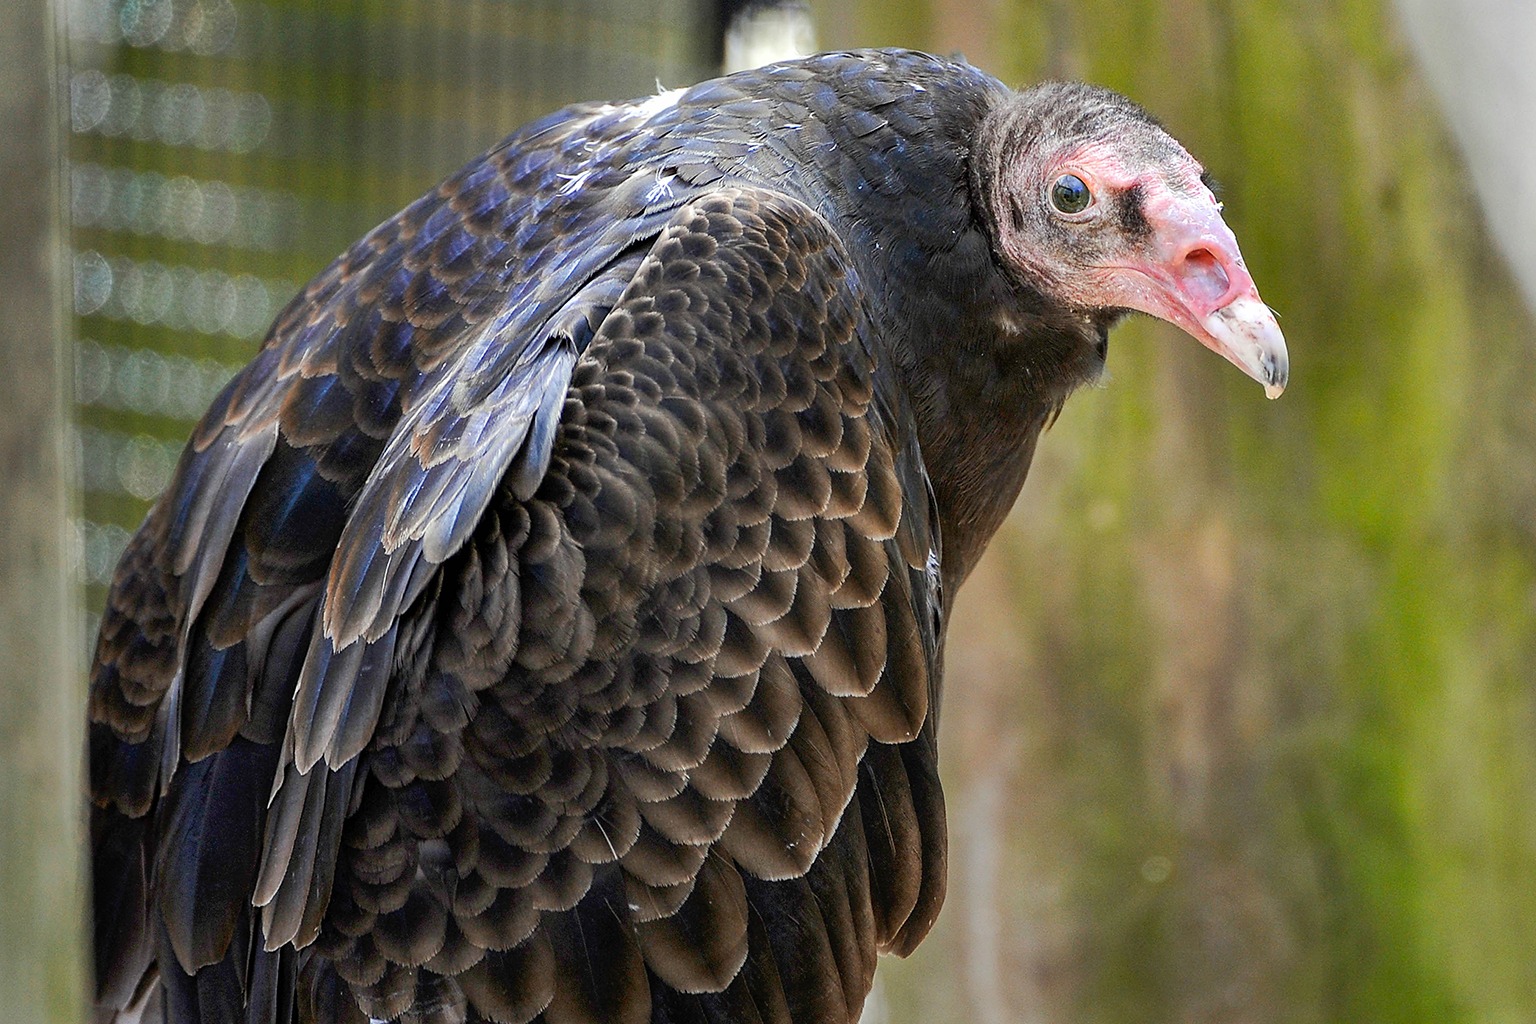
(1101,208)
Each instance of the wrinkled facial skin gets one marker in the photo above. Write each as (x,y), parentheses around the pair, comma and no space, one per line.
(1150,236)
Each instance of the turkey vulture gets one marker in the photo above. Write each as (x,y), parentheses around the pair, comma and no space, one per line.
(547,623)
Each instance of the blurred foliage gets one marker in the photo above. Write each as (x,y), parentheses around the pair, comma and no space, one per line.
(1239,717)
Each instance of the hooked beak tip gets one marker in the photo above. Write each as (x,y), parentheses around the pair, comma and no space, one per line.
(1245,332)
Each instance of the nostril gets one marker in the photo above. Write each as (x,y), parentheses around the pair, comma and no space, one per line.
(1201,257)
(1202,276)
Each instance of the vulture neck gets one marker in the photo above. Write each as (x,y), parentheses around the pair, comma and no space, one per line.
(976,360)
(984,387)
(985,358)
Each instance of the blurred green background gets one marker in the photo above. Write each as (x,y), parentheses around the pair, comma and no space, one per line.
(1239,722)
(1239,716)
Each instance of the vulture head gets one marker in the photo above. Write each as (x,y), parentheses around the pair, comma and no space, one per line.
(1092,201)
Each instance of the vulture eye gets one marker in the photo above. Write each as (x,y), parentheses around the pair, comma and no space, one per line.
(1070,195)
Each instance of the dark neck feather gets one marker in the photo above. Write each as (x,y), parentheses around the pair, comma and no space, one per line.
(908,148)
(985,355)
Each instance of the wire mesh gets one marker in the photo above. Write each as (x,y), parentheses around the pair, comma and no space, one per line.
(222,151)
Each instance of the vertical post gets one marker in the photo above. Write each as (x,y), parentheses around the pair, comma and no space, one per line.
(42,971)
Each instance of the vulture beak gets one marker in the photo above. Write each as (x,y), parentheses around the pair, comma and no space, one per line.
(1196,280)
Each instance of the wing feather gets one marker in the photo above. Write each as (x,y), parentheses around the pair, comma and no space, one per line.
(579,630)
(670,784)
